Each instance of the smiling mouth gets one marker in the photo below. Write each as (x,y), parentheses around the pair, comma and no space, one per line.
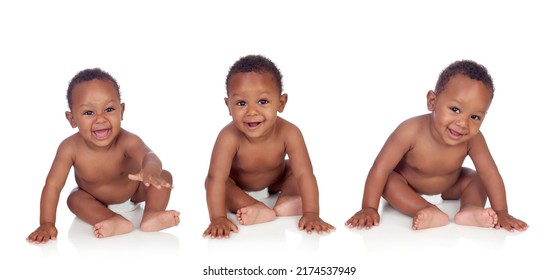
(253,124)
(101,134)
(455,133)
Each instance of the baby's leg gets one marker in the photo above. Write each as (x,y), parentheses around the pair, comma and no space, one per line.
(105,222)
(289,201)
(402,197)
(156,217)
(249,210)
(469,189)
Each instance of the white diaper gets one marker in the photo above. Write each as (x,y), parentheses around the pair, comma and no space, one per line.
(125,207)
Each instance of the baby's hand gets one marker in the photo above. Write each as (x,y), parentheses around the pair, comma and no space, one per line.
(509,222)
(310,221)
(43,233)
(150,179)
(220,227)
(366,217)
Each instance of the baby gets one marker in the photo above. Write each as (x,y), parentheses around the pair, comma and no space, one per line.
(424,155)
(111,165)
(250,155)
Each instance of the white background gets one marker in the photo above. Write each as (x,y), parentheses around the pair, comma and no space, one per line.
(353,71)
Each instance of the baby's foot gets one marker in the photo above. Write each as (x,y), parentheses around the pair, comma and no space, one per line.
(429,217)
(114,225)
(159,220)
(476,216)
(255,213)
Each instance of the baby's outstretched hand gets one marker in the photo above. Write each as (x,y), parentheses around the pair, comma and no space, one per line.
(43,233)
(311,221)
(220,227)
(365,218)
(150,179)
(509,222)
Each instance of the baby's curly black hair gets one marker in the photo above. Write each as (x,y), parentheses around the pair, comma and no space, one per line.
(468,68)
(88,75)
(258,64)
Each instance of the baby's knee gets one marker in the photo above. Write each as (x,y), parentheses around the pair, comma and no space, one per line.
(469,177)
(394,184)
(75,199)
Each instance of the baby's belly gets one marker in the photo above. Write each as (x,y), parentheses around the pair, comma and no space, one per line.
(430,185)
(113,193)
(256,182)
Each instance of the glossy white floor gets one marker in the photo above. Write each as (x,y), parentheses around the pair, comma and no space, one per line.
(353,71)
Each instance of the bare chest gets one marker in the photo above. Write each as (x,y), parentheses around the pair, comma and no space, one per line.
(429,159)
(95,168)
(259,159)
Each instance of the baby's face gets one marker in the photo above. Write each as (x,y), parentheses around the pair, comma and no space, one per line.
(254,101)
(96,111)
(459,110)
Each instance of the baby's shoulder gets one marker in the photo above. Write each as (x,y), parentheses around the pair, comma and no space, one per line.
(229,133)
(286,126)
(126,136)
(71,141)
(413,124)
(70,145)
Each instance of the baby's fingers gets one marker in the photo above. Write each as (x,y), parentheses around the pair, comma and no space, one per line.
(216,232)
(516,225)
(325,227)
(360,222)
(319,226)
(220,231)
(355,222)
(40,237)
(135,177)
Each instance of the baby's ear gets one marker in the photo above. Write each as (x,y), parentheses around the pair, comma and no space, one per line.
(431,100)
(227,104)
(71,120)
(283,101)
(122,111)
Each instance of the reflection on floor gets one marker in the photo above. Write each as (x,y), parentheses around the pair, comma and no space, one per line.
(391,249)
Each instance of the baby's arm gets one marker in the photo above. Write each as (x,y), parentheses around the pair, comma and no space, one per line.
(51,194)
(306,181)
(395,147)
(493,183)
(218,174)
(220,226)
(150,174)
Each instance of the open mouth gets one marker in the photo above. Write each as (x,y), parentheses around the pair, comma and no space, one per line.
(253,124)
(101,134)
(455,133)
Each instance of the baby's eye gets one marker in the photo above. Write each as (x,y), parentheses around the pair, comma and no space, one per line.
(455,110)
(263,101)
(108,110)
(241,103)
(88,113)
(476,117)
